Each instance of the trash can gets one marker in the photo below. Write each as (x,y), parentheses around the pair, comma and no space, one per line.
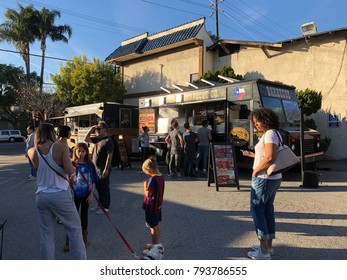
(311,179)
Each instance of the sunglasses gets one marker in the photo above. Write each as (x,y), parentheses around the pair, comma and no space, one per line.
(99,128)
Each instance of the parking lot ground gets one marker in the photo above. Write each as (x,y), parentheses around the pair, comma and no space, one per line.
(199,223)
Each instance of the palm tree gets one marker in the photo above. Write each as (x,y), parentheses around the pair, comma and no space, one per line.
(17,30)
(47,29)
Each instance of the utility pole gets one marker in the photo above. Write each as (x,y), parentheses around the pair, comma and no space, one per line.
(217,26)
(216,11)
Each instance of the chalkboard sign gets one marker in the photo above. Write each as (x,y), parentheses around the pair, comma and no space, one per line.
(123,154)
(222,168)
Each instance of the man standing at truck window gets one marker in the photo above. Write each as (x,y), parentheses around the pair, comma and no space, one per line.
(189,139)
(102,158)
(167,158)
(176,142)
(204,136)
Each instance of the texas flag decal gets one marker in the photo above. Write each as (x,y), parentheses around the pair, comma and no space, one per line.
(239,92)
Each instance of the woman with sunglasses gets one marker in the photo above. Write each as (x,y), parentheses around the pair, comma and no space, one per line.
(102,159)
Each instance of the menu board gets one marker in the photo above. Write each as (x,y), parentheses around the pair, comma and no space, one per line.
(222,165)
(199,115)
(147,118)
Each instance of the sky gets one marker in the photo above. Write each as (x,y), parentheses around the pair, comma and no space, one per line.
(99,27)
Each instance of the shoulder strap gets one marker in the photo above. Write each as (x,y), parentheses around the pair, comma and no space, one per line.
(84,178)
(38,149)
(279,138)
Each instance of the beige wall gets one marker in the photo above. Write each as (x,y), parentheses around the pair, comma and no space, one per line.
(320,64)
(156,71)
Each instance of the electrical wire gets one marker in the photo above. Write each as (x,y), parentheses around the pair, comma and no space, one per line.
(36,55)
(172,8)
(250,18)
(269,19)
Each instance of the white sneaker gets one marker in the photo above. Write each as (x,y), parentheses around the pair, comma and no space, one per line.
(96,208)
(99,212)
(258,255)
(270,250)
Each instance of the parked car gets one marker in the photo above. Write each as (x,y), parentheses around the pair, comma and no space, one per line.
(11,135)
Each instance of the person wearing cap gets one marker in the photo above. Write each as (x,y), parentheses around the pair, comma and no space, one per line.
(144,140)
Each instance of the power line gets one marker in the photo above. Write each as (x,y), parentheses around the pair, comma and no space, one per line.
(245,26)
(88,17)
(250,18)
(196,4)
(269,19)
(172,8)
(36,55)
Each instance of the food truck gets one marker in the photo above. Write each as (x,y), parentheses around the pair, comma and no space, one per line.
(227,108)
(121,119)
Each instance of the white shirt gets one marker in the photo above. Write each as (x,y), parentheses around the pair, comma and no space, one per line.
(47,179)
(269,137)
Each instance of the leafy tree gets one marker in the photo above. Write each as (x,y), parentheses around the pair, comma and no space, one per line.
(17,30)
(45,28)
(19,98)
(83,82)
(310,101)
(226,71)
(10,80)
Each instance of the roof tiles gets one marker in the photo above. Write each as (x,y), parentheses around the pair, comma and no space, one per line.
(148,44)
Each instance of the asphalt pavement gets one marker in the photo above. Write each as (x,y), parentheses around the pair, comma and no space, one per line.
(199,223)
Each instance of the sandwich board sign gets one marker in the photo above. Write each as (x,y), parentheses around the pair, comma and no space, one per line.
(222,168)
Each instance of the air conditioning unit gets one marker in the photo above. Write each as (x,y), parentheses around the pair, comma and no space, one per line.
(308,28)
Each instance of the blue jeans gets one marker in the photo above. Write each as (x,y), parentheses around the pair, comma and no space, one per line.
(202,156)
(32,168)
(263,195)
(103,188)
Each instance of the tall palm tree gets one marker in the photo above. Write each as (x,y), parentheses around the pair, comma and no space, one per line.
(18,30)
(47,29)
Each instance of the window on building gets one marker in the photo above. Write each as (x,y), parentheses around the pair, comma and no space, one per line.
(194,77)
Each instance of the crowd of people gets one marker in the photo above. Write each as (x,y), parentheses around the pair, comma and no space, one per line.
(66,182)
(195,160)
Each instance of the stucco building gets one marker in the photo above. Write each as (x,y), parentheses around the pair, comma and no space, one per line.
(171,57)
(149,64)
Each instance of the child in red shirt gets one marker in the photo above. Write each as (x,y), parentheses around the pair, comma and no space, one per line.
(153,197)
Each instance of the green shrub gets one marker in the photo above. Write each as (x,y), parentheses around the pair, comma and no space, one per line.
(325,143)
(310,123)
